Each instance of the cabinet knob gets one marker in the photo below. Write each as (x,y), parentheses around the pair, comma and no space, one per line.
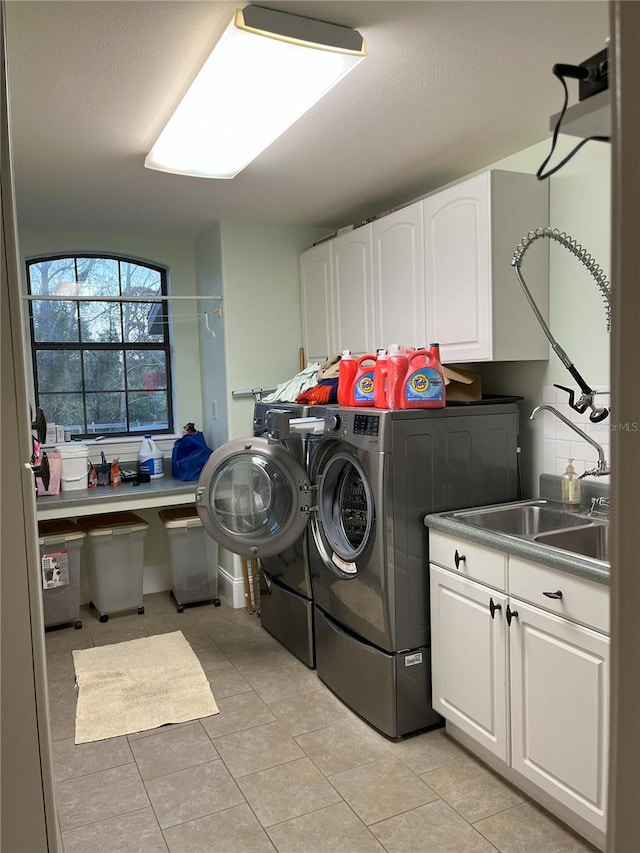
(459,558)
(556,594)
(493,607)
(511,614)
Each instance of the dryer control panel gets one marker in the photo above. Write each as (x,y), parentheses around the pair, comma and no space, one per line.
(366,425)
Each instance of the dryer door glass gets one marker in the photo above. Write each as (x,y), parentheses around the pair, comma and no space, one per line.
(346,508)
(253,497)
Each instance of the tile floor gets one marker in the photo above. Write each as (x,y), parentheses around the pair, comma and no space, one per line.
(283,767)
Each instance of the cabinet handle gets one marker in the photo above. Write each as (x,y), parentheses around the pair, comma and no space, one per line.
(459,558)
(511,614)
(556,594)
(493,607)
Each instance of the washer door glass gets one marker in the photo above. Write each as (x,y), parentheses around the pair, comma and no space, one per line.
(345,507)
(253,497)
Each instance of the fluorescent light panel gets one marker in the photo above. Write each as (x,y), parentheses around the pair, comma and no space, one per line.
(266,71)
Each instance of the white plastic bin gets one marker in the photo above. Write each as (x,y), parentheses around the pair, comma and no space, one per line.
(193,558)
(115,553)
(60,543)
(74,460)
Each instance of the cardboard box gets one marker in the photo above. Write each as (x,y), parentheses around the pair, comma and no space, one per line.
(463,386)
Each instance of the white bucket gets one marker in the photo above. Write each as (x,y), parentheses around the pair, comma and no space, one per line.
(74,460)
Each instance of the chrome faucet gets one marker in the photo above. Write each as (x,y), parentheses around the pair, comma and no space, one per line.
(601,468)
(600,504)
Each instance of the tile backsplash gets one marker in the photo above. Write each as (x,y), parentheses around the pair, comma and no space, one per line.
(561,443)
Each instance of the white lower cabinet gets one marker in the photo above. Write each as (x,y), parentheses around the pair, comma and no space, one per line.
(523,673)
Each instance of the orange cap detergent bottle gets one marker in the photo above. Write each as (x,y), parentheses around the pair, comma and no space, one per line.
(380,380)
(362,388)
(397,363)
(424,386)
(346,374)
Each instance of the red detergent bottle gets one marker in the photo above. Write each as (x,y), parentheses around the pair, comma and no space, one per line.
(362,388)
(346,374)
(380,380)
(424,386)
(397,363)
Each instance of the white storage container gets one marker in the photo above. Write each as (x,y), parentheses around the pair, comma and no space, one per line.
(193,555)
(115,553)
(74,462)
(60,543)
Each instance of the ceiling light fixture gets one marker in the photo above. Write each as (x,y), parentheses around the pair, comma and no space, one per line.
(268,69)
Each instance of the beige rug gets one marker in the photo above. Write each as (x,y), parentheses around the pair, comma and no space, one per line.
(139,685)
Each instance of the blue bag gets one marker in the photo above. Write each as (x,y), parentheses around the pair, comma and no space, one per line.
(189,455)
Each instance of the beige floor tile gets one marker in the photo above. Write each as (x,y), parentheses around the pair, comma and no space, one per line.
(158,603)
(436,825)
(227,681)
(338,748)
(261,660)
(211,658)
(60,665)
(526,829)
(329,830)
(307,712)
(118,629)
(132,833)
(172,749)
(277,684)
(472,789)
(63,698)
(193,633)
(235,830)
(193,793)
(381,789)
(236,714)
(70,760)
(428,751)
(287,791)
(57,639)
(257,749)
(100,796)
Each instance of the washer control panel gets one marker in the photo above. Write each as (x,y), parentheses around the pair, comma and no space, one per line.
(366,425)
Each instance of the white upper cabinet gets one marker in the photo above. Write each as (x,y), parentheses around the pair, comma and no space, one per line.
(475,307)
(353,291)
(398,278)
(315,293)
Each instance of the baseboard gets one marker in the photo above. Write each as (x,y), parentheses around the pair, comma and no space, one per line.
(231,589)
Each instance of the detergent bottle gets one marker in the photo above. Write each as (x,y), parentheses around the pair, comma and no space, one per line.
(346,374)
(380,380)
(424,386)
(397,363)
(362,388)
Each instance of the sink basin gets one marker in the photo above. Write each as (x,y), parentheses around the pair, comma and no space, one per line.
(522,520)
(590,541)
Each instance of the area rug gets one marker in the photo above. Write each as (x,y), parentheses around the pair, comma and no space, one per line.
(139,685)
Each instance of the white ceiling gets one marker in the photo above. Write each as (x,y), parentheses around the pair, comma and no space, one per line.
(447,88)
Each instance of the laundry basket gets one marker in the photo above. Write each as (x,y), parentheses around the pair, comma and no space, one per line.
(115,543)
(60,543)
(193,557)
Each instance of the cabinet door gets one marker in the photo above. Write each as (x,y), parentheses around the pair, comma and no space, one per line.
(468,658)
(353,291)
(559,708)
(457,227)
(398,278)
(315,295)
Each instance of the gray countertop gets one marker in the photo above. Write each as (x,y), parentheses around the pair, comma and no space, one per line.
(592,570)
(165,491)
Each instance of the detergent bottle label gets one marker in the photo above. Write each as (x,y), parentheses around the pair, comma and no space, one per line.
(424,385)
(363,388)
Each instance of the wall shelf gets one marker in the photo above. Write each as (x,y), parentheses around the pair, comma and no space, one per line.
(591,117)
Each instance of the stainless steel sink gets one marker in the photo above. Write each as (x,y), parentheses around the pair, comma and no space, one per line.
(528,519)
(591,541)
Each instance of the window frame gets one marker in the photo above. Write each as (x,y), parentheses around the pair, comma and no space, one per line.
(123,346)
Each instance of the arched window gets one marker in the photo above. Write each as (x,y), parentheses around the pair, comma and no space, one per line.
(100,344)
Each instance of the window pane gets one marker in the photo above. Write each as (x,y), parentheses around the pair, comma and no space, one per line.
(146,370)
(140,281)
(100,322)
(99,276)
(48,278)
(104,370)
(106,413)
(58,370)
(55,322)
(136,322)
(65,409)
(148,411)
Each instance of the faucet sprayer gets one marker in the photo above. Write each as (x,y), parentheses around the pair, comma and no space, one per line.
(586,399)
(601,468)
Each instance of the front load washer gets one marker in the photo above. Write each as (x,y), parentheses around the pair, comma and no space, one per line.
(378,473)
